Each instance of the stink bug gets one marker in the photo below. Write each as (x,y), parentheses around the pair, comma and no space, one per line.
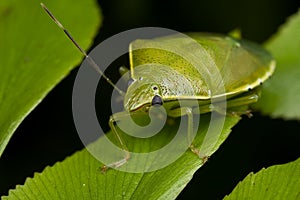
(242,66)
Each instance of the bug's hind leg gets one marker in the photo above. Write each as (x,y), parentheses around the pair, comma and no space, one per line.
(240,105)
(236,106)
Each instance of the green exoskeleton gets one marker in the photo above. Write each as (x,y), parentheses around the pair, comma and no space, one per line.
(242,65)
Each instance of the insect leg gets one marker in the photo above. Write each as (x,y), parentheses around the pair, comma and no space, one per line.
(123,70)
(239,105)
(124,75)
(235,106)
(245,99)
(189,112)
(117,117)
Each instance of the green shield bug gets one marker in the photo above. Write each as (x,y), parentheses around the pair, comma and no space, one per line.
(242,66)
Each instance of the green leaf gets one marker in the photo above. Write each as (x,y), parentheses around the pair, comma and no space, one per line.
(276,182)
(281,94)
(35,54)
(79,177)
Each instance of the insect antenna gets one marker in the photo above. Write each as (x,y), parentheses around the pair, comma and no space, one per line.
(88,58)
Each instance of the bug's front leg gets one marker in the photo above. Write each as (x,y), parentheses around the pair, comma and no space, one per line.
(124,73)
(113,118)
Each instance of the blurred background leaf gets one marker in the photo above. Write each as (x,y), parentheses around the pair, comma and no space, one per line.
(35,56)
(281,94)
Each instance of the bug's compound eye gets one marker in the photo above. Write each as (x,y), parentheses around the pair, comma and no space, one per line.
(157,100)
(130,81)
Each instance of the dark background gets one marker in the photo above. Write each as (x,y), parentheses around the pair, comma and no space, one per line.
(48,134)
